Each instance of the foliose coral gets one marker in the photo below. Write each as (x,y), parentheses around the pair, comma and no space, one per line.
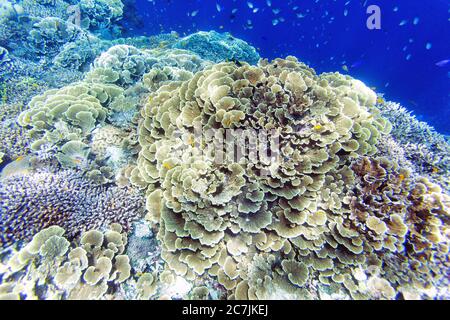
(218,47)
(50,34)
(71,113)
(100,14)
(319,214)
(9,10)
(125,65)
(50,267)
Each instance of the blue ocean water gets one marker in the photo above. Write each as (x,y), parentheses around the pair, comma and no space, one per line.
(399,60)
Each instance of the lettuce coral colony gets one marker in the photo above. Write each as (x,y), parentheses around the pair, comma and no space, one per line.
(108,191)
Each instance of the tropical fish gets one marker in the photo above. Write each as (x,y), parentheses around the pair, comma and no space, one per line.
(442,63)
(317,127)
(356,64)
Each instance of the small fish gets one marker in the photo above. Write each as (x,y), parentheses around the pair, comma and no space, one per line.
(276,11)
(317,127)
(403,22)
(167,166)
(269,3)
(345,68)
(345,12)
(194,13)
(275,22)
(416,21)
(435,170)
(356,64)
(380,100)
(428,46)
(236,62)
(442,63)
(250,5)
(218,7)
(401,177)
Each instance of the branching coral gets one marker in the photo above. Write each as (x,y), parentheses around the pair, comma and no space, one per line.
(32,201)
(15,141)
(427,150)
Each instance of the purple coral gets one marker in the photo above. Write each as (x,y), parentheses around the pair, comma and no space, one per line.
(32,201)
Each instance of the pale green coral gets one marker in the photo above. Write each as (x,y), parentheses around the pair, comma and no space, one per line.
(266,229)
(84,272)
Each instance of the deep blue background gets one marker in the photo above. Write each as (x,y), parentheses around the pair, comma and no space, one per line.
(326,39)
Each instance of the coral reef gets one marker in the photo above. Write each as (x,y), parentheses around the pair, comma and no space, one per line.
(320,216)
(50,34)
(100,14)
(189,168)
(9,10)
(34,200)
(218,47)
(426,149)
(15,141)
(125,65)
(49,268)
(70,113)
